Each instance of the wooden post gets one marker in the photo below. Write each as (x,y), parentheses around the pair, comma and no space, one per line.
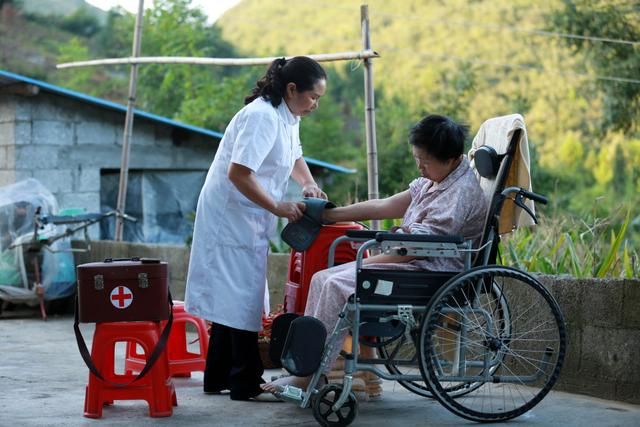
(128,125)
(369,113)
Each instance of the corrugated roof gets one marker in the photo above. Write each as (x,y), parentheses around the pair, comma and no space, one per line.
(7,77)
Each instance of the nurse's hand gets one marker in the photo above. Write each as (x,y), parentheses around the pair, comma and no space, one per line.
(312,190)
(290,210)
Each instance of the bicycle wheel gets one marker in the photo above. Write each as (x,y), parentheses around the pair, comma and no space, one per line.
(510,356)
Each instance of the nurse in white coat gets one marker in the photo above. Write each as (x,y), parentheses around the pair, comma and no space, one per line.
(237,211)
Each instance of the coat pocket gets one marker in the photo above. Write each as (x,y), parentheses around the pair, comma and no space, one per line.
(243,228)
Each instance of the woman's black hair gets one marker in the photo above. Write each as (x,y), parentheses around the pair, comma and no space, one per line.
(439,136)
(301,70)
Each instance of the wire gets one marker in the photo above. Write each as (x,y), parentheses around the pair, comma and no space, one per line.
(517,30)
(497,27)
(408,51)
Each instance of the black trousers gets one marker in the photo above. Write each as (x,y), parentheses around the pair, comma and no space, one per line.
(233,363)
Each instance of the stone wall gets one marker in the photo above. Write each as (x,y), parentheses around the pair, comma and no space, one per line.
(602,318)
(603,334)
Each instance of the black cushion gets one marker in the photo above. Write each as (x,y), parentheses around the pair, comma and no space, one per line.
(487,161)
(302,233)
(303,348)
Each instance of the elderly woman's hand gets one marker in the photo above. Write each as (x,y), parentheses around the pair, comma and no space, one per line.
(312,190)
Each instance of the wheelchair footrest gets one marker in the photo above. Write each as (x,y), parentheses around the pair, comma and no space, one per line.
(303,349)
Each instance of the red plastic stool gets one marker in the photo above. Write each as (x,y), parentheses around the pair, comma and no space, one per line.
(155,387)
(181,361)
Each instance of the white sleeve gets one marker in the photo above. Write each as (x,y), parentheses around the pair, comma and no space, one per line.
(255,138)
(297,153)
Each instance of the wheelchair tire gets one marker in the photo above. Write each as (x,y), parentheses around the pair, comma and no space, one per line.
(508,362)
(323,402)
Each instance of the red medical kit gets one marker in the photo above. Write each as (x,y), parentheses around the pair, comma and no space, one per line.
(123,290)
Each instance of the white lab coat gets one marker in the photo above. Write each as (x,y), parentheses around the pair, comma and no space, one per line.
(226,281)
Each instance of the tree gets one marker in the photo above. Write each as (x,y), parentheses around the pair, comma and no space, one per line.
(81,22)
(613,21)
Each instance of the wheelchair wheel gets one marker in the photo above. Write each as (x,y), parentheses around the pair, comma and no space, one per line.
(497,333)
(323,402)
(403,355)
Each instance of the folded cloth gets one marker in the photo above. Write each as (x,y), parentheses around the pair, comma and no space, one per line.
(497,133)
(302,233)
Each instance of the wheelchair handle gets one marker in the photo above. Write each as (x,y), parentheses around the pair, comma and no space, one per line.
(528,194)
(535,197)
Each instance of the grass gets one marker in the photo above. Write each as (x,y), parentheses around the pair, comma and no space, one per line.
(597,247)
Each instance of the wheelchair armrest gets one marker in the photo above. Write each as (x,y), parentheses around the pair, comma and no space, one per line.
(362,234)
(401,237)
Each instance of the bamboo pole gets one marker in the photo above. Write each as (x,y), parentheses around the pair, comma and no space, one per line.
(370,113)
(321,57)
(366,55)
(128,125)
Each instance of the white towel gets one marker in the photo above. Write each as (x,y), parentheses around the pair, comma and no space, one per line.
(497,133)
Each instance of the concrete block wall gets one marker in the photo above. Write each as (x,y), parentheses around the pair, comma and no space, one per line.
(602,318)
(7,141)
(178,259)
(603,333)
(65,143)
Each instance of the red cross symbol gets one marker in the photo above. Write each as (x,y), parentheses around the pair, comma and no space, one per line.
(121,297)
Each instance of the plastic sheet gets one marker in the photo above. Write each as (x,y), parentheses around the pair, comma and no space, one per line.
(25,262)
(162,202)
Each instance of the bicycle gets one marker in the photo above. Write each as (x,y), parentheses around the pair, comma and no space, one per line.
(45,234)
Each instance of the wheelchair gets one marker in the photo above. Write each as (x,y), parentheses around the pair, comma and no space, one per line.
(488,342)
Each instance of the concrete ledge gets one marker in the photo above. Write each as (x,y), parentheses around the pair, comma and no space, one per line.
(602,318)
(178,259)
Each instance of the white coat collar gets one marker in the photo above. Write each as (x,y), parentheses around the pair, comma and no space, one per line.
(286,115)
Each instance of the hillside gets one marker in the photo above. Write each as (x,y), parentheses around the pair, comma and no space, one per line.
(31,32)
(427,45)
(61,8)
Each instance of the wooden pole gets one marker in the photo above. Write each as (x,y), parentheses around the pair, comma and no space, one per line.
(369,113)
(128,125)
(321,57)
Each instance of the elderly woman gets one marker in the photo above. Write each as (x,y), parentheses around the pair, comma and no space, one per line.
(445,200)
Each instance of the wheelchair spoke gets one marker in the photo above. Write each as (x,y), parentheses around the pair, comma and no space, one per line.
(499,332)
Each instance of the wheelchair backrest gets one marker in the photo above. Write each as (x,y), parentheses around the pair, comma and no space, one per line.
(493,169)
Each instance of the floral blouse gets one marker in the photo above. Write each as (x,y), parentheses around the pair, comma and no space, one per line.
(454,206)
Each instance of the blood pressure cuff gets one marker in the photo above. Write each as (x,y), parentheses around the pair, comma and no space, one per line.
(302,233)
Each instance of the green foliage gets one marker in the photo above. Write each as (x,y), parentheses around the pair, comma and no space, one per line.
(614,21)
(598,248)
(81,22)
(82,79)
(473,61)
